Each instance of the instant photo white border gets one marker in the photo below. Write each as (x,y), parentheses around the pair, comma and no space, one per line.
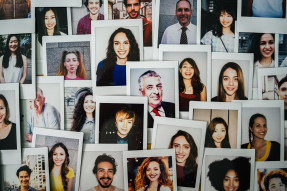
(111,90)
(266,104)
(185,125)
(63,134)
(78,84)
(229,153)
(57,3)
(13,156)
(58,39)
(122,100)
(105,147)
(146,154)
(219,106)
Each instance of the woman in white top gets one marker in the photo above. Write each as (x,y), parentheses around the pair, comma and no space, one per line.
(13,65)
(266,8)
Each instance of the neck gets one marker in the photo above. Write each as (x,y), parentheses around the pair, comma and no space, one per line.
(138,17)
(13,54)
(153,184)
(94,17)
(226,30)
(229,98)
(121,136)
(185,25)
(2,125)
(89,116)
(187,83)
(266,62)
(257,142)
(71,75)
(24,188)
(217,145)
(181,164)
(99,188)
(57,168)
(50,32)
(121,61)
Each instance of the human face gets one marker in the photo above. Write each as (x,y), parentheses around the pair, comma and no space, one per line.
(187,71)
(276,184)
(121,45)
(182,150)
(71,63)
(50,20)
(105,174)
(133,9)
(183,13)
(39,103)
(24,178)
(219,133)
(231,181)
(89,104)
(94,6)
(225,19)
(267,45)
(230,81)
(259,128)
(152,88)
(59,156)
(153,171)
(2,111)
(283,92)
(13,44)
(124,126)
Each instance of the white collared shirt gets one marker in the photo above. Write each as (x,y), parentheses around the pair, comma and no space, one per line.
(160,111)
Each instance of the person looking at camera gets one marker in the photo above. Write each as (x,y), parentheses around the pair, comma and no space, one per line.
(23,174)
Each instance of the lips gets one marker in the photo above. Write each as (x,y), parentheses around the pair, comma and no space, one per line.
(122,52)
(1,117)
(180,156)
(153,176)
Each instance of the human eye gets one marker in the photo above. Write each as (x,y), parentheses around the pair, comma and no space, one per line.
(148,169)
(116,43)
(159,86)
(271,42)
(262,43)
(129,5)
(127,42)
(149,87)
(175,145)
(236,78)
(186,146)
(179,9)
(186,9)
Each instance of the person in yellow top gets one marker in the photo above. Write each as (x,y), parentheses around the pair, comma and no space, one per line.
(61,175)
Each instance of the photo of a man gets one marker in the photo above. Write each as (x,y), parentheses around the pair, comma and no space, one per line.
(23,174)
(282,92)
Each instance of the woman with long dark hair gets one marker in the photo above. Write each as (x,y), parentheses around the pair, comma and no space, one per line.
(13,64)
(190,85)
(122,47)
(186,158)
(61,175)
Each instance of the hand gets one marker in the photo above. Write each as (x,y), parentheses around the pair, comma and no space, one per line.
(29,137)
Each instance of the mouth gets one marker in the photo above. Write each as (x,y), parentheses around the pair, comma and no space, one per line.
(180,156)
(152,176)
(1,117)
(122,52)
(268,52)
(231,189)
(105,180)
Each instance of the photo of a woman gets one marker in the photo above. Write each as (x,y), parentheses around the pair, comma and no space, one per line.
(264,150)
(217,134)
(186,158)
(230,84)
(8,138)
(122,47)
(226,175)
(61,175)
(190,86)
(84,116)
(266,8)
(153,175)
(13,64)
(72,66)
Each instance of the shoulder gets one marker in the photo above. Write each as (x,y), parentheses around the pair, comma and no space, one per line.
(275,144)
(167,104)
(192,26)
(171,28)
(24,57)
(118,189)
(49,108)
(165,188)
(84,18)
(100,64)
(33,189)
(91,189)
(71,173)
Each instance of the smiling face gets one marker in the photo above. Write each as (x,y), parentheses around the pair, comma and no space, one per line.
(133,9)
(276,184)
(259,128)
(24,178)
(219,133)
(283,92)
(124,126)
(2,111)
(230,81)
(183,13)
(71,63)
(13,44)
(225,19)
(89,104)
(50,20)
(182,150)
(121,45)
(105,174)
(231,181)
(93,6)
(59,156)
(267,45)
(39,103)
(187,71)
(152,88)
(153,171)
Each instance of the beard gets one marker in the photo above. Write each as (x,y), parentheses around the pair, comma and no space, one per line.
(105,185)
(132,13)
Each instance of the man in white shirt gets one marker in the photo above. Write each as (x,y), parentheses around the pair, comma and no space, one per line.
(182,32)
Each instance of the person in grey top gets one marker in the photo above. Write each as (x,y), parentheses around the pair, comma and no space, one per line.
(23,174)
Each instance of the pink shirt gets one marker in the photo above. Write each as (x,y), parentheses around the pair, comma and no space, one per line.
(77,78)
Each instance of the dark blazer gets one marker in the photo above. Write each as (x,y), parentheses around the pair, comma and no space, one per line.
(169,109)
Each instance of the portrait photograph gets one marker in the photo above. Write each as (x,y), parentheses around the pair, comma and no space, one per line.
(67,56)
(104,165)
(143,169)
(46,110)
(177,22)
(187,138)
(218,22)
(231,77)
(33,166)
(223,123)
(65,152)
(227,169)
(10,146)
(122,120)
(263,125)
(282,55)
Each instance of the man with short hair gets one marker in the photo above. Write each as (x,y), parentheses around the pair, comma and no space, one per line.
(105,168)
(282,92)
(182,32)
(150,85)
(23,174)
(133,8)
(93,6)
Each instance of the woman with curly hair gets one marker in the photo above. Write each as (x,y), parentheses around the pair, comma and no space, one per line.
(186,156)
(153,175)
(122,47)
(275,180)
(217,134)
(72,66)
(61,175)
(190,85)
(84,116)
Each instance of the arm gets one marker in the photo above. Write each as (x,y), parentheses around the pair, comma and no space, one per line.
(249,8)
(203,94)
(80,27)
(25,66)
(2,79)
(52,117)
(70,184)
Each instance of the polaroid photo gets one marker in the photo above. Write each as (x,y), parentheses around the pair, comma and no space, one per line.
(231,76)
(282,56)
(103,163)
(219,115)
(142,168)
(67,56)
(267,120)
(187,138)
(21,67)
(113,43)
(46,110)
(17,17)
(122,120)
(10,142)
(53,3)
(169,22)
(65,150)
(222,167)
(270,176)
(33,166)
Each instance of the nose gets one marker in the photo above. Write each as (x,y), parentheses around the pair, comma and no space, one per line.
(155,90)
(267,45)
(133,7)
(231,82)
(180,149)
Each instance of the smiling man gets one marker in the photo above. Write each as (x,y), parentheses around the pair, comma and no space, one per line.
(23,174)
(182,32)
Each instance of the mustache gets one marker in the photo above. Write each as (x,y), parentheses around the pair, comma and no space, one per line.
(105,178)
